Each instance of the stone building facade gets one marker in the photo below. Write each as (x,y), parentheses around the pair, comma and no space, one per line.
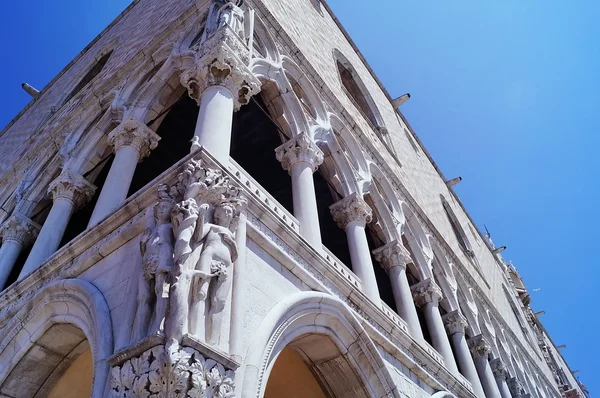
(219,199)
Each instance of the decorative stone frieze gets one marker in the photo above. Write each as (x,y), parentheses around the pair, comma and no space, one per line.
(352,208)
(425,292)
(455,322)
(299,149)
(222,60)
(393,254)
(479,346)
(499,369)
(20,229)
(135,134)
(175,371)
(72,187)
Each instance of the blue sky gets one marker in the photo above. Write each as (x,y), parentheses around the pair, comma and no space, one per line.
(505,94)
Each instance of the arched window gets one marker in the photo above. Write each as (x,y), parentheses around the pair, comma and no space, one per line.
(461,236)
(92,73)
(357,93)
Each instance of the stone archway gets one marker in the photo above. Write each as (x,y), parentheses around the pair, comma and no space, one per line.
(324,333)
(49,333)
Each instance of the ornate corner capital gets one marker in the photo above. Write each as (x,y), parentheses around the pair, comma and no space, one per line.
(499,369)
(20,229)
(135,134)
(73,187)
(479,346)
(393,254)
(300,149)
(425,292)
(352,208)
(455,322)
(516,387)
(222,60)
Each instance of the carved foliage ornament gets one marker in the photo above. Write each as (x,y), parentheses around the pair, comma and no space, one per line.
(174,373)
(394,254)
(299,149)
(455,322)
(425,292)
(73,187)
(499,369)
(479,346)
(135,134)
(351,208)
(20,229)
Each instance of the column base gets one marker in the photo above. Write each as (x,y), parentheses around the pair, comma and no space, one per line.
(191,369)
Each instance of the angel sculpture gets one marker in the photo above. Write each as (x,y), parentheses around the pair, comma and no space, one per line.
(156,246)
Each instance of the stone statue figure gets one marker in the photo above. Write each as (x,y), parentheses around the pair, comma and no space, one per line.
(225,13)
(218,253)
(156,246)
(204,251)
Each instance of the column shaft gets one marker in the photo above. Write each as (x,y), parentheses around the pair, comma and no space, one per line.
(9,252)
(115,189)
(404,301)
(465,362)
(362,265)
(486,377)
(503,387)
(50,235)
(438,335)
(305,203)
(215,121)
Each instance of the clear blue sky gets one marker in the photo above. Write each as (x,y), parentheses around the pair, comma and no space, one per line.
(505,94)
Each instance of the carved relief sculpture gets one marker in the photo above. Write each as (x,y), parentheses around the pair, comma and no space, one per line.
(204,252)
(156,246)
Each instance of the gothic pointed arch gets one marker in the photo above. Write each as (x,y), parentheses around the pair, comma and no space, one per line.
(93,70)
(73,303)
(357,92)
(303,89)
(348,362)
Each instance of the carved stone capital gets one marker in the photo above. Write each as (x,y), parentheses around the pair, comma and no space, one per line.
(499,369)
(455,322)
(299,149)
(20,229)
(425,292)
(393,254)
(135,134)
(222,60)
(479,346)
(516,388)
(171,371)
(72,187)
(352,208)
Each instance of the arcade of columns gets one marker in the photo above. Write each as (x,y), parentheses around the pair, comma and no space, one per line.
(218,78)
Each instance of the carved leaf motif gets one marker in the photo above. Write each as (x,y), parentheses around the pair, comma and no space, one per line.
(127,375)
(115,380)
(140,365)
(214,376)
(156,382)
(139,387)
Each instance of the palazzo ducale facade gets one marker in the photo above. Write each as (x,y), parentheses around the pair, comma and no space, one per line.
(218,198)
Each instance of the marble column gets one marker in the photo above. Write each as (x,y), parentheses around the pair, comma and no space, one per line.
(69,191)
(220,82)
(301,158)
(132,141)
(500,371)
(17,232)
(456,324)
(481,349)
(353,214)
(394,258)
(427,295)
(516,388)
